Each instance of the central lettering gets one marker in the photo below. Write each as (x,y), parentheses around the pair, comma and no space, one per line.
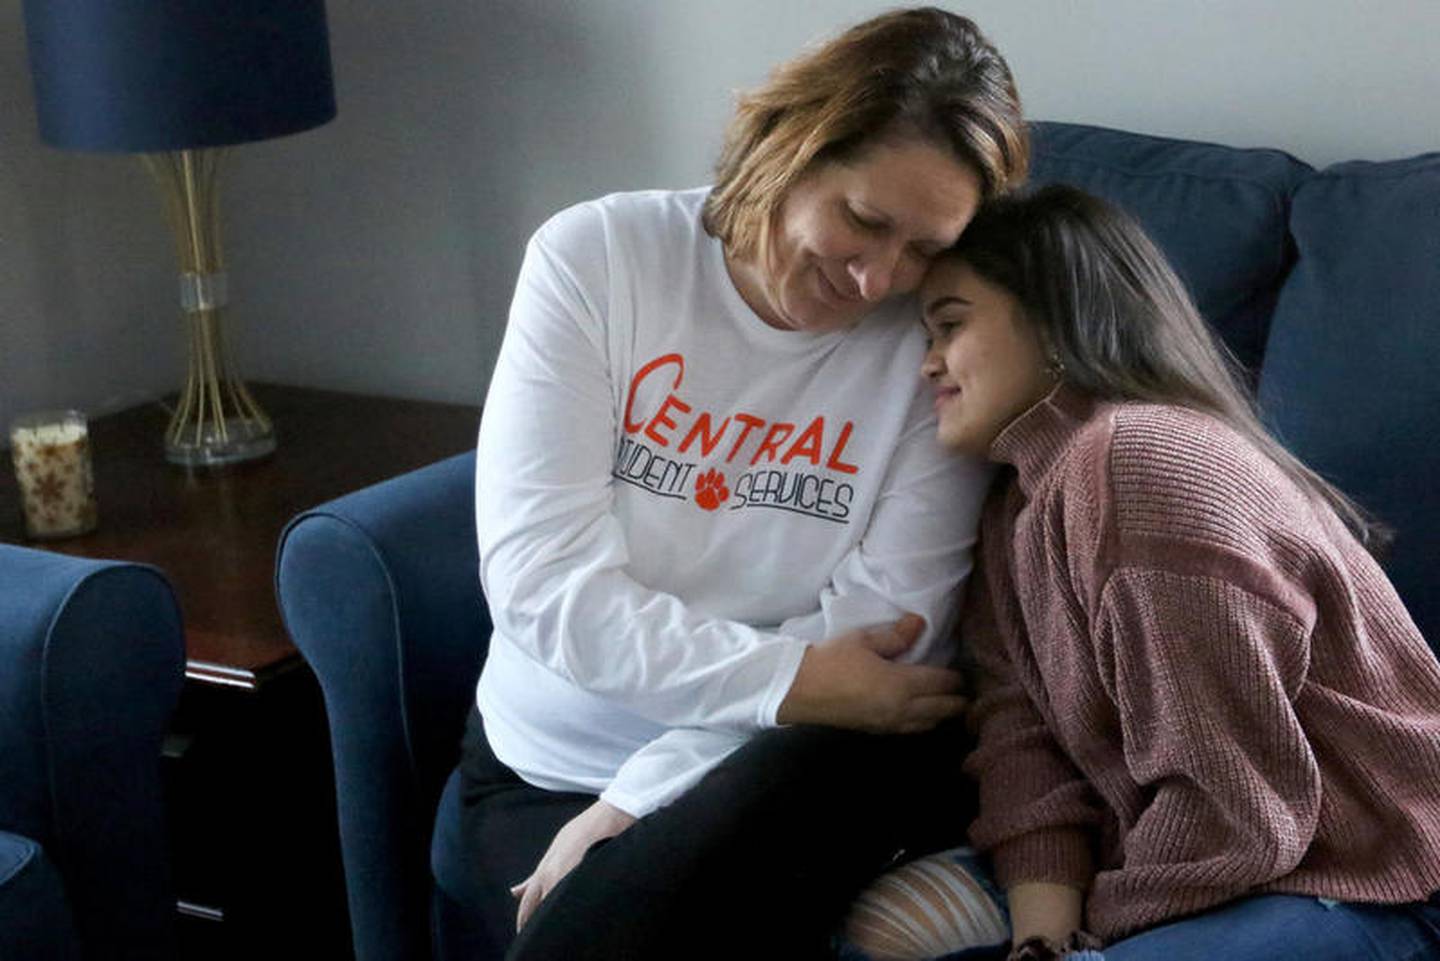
(671,419)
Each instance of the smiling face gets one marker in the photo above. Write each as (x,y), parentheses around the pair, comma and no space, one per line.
(985,361)
(848,235)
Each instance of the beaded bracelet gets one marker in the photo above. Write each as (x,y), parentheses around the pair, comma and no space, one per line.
(1045,949)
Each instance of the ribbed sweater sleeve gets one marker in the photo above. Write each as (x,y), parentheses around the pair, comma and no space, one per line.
(1204,675)
(1036,809)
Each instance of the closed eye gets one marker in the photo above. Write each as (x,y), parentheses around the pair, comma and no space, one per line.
(936,330)
(864,223)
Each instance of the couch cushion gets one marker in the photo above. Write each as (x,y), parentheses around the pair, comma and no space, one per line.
(1349,381)
(1219,213)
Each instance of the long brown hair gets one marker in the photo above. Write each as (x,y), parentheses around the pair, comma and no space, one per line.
(1108,305)
(919,72)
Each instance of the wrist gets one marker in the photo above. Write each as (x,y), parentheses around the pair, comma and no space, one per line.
(1044,910)
(610,817)
(795,705)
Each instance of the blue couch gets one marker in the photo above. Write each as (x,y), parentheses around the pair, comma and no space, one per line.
(1325,283)
(91,664)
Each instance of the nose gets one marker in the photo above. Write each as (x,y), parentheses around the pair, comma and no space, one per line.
(933,364)
(873,272)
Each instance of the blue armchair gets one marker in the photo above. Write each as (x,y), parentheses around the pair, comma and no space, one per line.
(380,591)
(91,665)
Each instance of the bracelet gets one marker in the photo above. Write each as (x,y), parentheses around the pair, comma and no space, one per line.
(1041,948)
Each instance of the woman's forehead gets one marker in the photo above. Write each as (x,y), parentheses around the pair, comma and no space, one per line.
(920,186)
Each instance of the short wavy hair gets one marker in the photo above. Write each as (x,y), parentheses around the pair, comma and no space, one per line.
(916,72)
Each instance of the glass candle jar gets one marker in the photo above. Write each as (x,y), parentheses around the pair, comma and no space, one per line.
(51,453)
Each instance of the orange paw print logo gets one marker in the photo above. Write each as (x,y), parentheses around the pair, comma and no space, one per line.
(710,489)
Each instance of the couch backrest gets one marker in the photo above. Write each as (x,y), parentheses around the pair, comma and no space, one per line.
(1351,381)
(1219,213)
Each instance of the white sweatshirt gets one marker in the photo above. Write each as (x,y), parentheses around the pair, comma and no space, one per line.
(674,498)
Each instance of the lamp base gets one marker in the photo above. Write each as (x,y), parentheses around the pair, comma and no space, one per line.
(216,421)
(231,441)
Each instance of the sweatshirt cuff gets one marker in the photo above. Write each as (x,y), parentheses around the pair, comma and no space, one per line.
(783,678)
(633,805)
(1058,856)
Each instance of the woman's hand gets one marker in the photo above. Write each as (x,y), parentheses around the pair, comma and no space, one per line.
(593,825)
(852,681)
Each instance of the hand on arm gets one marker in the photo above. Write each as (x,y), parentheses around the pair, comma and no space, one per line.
(853,681)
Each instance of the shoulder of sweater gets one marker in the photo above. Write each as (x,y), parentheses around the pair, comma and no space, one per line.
(1186,461)
(1184,490)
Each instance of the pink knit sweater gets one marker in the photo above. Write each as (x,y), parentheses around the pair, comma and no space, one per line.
(1194,684)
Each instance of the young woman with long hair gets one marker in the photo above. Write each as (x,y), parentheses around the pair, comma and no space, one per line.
(1207,727)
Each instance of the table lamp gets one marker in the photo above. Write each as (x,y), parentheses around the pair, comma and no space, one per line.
(177,81)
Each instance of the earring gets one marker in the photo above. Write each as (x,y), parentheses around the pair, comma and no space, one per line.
(1054,366)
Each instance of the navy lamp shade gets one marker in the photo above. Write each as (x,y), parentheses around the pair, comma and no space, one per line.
(175,81)
(145,76)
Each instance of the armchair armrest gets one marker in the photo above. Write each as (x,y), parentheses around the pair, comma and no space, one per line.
(91,666)
(380,591)
(35,918)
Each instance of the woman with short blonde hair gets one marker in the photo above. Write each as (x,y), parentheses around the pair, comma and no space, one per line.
(707,503)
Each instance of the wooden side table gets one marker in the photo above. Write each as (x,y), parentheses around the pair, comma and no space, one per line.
(249,780)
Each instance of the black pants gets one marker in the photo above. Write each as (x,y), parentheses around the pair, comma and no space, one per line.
(759,860)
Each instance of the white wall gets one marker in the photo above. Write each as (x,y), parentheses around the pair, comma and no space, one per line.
(378,253)
(86,281)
